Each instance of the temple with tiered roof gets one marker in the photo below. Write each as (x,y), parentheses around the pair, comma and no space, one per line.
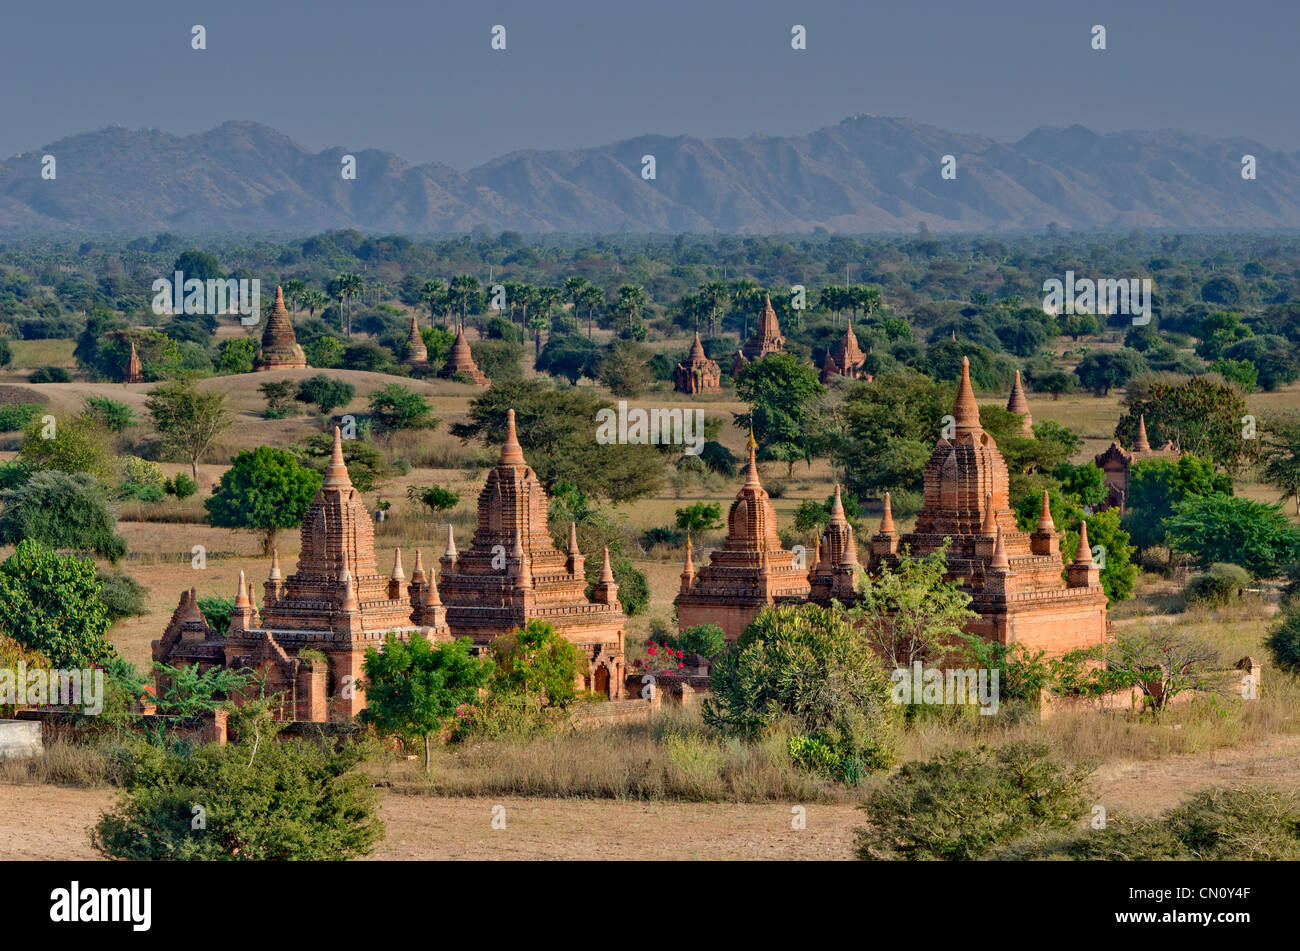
(512,573)
(1116,464)
(749,572)
(845,359)
(767,339)
(1013,577)
(309,639)
(698,374)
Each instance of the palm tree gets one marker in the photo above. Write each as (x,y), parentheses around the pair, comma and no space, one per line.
(632,299)
(591,298)
(463,289)
(314,300)
(715,292)
(745,296)
(293,290)
(573,288)
(431,293)
(344,288)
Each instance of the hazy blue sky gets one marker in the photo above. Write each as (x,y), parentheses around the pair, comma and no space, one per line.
(418,77)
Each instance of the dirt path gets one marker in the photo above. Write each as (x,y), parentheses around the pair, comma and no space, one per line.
(51,822)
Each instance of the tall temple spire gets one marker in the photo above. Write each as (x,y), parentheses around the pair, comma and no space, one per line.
(751,469)
(999,560)
(1019,405)
(837,507)
(241,593)
(512,454)
(966,410)
(990,523)
(1045,523)
(275,566)
(887,519)
(1140,444)
(688,572)
(336,473)
(1083,554)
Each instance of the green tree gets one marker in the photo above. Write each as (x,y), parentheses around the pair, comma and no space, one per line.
(1100,371)
(324,353)
(237,355)
(783,396)
(890,428)
(188,419)
(279,397)
(396,407)
(624,369)
(1280,454)
(909,613)
(808,666)
(111,414)
(554,427)
(434,497)
(61,510)
(50,603)
(326,392)
(1199,414)
(265,490)
(413,688)
(1218,527)
(700,517)
(76,444)
(539,663)
(1156,487)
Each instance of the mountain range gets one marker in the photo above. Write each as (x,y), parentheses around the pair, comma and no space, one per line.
(867,174)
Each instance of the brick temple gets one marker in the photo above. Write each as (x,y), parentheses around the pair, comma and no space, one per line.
(280,350)
(749,572)
(461,360)
(698,374)
(513,573)
(834,574)
(1116,463)
(417,354)
(767,339)
(1017,404)
(845,359)
(309,640)
(1013,577)
(134,368)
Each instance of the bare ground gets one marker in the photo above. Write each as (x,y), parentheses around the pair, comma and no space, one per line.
(51,822)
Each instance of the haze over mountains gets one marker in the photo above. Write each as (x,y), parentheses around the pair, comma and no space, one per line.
(867,174)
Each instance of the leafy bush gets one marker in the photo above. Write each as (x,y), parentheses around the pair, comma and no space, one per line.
(326,392)
(50,603)
(960,804)
(18,416)
(50,375)
(110,413)
(217,611)
(1222,824)
(61,511)
(1222,528)
(1222,584)
(297,799)
(707,640)
(397,407)
(121,595)
(1283,641)
(141,480)
(182,486)
(806,665)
